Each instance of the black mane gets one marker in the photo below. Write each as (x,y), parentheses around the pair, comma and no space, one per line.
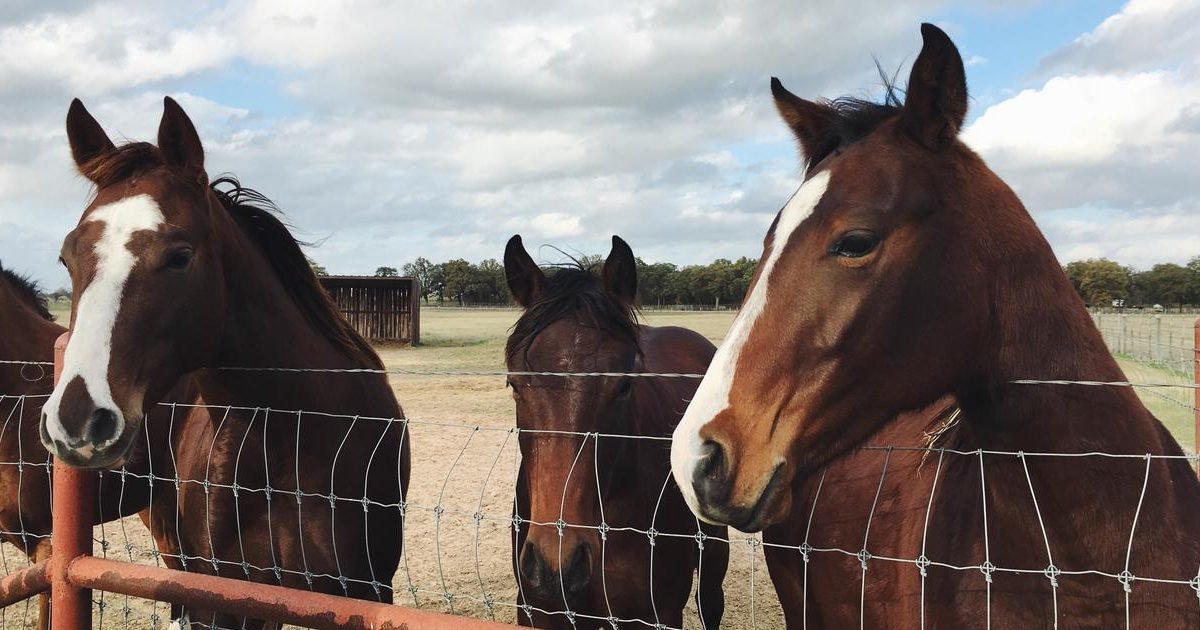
(855,118)
(257,216)
(27,291)
(572,290)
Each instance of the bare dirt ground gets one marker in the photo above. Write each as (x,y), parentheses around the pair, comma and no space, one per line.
(464,461)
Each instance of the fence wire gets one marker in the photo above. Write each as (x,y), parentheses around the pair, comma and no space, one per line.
(460,516)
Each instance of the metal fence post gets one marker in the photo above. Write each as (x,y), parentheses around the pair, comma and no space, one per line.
(1196,379)
(74,496)
(1123,347)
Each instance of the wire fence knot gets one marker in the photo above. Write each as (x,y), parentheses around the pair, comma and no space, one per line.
(923,564)
(603,529)
(652,534)
(863,556)
(1052,572)
(1126,579)
(987,569)
(805,550)
(560,525)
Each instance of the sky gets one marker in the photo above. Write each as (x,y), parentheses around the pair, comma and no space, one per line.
(392,130)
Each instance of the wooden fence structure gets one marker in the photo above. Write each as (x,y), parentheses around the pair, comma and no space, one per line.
(384,310)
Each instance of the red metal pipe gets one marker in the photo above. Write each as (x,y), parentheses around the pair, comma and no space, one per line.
(258,601)
(74,496)
(24,584)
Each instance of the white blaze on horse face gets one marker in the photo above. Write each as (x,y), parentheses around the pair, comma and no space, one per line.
(712,397)
(90,349)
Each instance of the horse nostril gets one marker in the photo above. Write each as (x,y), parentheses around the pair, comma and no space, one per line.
(578,572)
(532,566)
(102,427)
(711,475)
(712,458)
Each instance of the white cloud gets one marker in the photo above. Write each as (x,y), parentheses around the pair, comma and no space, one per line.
(1078,120)
(556,225)
(1145,33)
(1104,151)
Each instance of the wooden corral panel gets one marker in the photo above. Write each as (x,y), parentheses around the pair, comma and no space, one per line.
(380,309)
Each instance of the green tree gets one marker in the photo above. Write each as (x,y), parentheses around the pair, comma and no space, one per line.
(459,278)
(654,282)
(490,285)
(430,276)
(1099,281)
(386,272)
(1169,283)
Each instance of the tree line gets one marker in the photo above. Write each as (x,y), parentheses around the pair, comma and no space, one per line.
(1099,281)
(1104,283)
(720,283)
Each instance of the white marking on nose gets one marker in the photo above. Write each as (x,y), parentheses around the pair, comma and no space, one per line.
(712,397)
(89,351)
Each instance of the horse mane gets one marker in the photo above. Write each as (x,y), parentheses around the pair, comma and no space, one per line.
(27,291)
(572,289)
(855,118)
(256,216)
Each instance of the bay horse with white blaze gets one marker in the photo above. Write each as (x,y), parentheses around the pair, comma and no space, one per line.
(904,272)
(27,334)
(173,276)
(583,483)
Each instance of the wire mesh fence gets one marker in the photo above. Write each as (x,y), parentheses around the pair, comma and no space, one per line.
(460,522)
(1158,348)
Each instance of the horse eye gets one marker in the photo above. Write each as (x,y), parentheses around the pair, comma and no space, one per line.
(855,244)
(179,259)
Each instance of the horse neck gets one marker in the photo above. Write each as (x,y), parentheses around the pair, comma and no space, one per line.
(1043,332)
(265,328)
(27,336)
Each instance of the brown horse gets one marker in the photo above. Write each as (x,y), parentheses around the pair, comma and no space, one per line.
(28,333)
(173,275)
(904,272)
(580,481)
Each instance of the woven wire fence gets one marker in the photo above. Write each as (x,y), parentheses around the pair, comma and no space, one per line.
(459,521)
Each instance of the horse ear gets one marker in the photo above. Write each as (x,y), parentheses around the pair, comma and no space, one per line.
(809,121)
(86,136)
(178,140)
(620,273)
(524,277)
(935,103)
